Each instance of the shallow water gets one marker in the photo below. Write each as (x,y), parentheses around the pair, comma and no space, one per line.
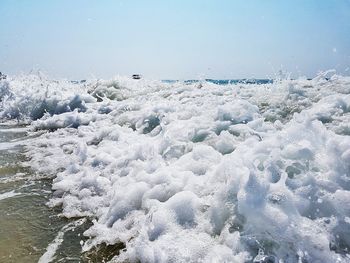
(27,225)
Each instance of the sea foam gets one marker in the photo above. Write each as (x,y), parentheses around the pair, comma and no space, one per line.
(196,173)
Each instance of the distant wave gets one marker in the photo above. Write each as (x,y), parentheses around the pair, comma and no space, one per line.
(225,81)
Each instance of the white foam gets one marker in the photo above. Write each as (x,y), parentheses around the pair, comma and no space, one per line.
(9,194)
(186,174)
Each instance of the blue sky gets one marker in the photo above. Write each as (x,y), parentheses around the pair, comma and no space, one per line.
(176,39)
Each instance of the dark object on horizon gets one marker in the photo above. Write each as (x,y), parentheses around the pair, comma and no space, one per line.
(2,76)
(136,76)
(78,81)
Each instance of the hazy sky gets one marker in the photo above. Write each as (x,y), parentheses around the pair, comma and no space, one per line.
(174,39)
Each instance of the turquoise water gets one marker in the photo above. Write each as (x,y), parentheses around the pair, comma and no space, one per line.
(226,81)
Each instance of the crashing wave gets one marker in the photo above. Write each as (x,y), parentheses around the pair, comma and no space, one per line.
(196,173)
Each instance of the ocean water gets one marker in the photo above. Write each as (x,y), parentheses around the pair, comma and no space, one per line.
(224,81)
(170,171)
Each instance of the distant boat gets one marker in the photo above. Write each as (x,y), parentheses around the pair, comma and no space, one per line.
(136,76)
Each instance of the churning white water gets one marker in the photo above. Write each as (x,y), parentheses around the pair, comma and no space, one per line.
(194,172)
